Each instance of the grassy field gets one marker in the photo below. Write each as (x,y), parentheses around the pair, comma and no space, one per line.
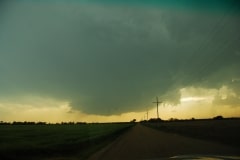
(55,141)
(225,131)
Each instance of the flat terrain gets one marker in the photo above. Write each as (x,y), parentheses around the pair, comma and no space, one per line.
(225,131)
(142,142)
(40,142)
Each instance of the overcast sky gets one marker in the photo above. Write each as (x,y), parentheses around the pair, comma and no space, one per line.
(108,59)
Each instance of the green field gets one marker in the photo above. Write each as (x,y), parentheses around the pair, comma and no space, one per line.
(225,131)
(56,141)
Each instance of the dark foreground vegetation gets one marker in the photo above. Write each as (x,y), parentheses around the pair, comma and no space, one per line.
(55,141)
(220,130)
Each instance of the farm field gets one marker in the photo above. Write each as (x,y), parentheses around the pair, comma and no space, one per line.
(56,141)
(224,131)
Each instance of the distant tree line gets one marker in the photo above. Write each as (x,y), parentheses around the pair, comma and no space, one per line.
(152,120)
(219,117)
(58,123)
(39,123)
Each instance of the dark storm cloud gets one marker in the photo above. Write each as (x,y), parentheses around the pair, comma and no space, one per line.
(109,59)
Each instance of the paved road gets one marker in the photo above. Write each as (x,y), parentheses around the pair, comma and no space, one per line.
(141,142)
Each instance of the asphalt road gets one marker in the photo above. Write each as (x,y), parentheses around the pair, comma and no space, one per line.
(141,142)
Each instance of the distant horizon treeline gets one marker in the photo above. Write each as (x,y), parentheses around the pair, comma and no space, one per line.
(219,117)
(39,123)
(151,120)
(57,123)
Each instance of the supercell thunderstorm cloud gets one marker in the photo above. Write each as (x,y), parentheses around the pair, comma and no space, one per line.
(105,58)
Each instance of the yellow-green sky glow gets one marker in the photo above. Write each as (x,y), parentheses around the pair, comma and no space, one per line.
(195,102)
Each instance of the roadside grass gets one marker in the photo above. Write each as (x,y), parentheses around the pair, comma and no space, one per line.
(56,141)
(225,131)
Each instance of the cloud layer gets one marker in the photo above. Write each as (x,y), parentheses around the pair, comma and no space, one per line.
(111,59)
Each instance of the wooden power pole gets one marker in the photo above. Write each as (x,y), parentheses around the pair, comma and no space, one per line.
(157,102)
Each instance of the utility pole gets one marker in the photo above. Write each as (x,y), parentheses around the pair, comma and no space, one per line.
(147,115)
(157,102)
